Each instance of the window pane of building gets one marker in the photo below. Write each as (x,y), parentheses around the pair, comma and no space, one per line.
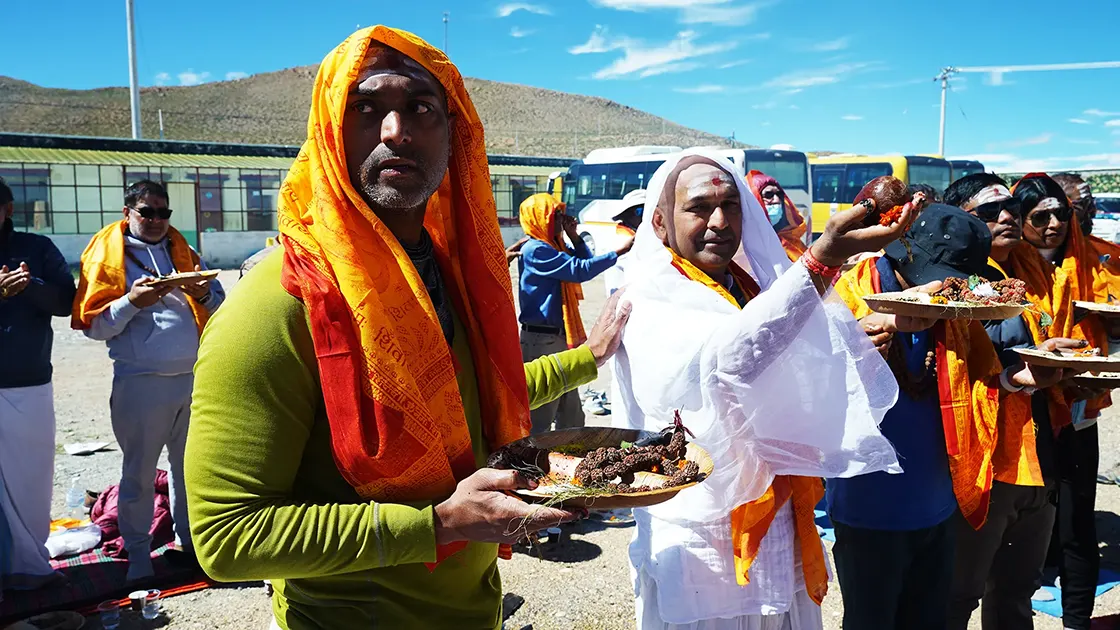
(112,177)
(63,198)
(65,223)
(12,174)
(89,223)
(89,199)
(261,221)
(233,221)
(210,199)
(133,174)
(62,174)
(178,174)
(36,174)
(110,217)
(209,221)
(87,175)
(112,198)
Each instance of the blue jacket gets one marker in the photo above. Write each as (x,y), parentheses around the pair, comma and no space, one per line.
(25,318)
(543,268)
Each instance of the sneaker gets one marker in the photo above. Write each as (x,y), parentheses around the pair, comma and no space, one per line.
(1042,595)
(595,407)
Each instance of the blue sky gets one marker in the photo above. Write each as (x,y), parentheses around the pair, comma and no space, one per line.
(846,76)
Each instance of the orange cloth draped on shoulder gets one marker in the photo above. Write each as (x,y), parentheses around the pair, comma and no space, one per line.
(538,219)
(751,521)
(792,234)
(968,386)
(1109,252)
(398,428)
(102,278)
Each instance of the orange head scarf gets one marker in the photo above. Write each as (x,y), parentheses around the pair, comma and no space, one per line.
(793,234)
(102,278)
(398,428)
(538,219)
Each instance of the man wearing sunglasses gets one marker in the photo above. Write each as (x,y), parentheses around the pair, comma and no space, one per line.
(152,331)
(1001,562)
(1074,548)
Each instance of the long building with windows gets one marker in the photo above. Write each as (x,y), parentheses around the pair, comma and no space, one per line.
(223,196)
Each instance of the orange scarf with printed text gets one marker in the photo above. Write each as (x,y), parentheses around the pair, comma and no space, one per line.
(102,278)
(399,432)
(751,521)
(538,219)
(968,390)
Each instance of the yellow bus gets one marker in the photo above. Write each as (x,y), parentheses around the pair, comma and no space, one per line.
(837,179)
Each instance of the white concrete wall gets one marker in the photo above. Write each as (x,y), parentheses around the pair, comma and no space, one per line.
(227,250)
(512,234)
(71,245)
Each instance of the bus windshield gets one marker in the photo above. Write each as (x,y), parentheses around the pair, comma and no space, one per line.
(936,175)
(791,172)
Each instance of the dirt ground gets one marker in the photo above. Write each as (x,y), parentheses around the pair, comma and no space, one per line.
(582,582)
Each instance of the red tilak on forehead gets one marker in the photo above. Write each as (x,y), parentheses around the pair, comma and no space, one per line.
(716,181)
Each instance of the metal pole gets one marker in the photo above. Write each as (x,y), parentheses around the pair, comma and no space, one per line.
(161,124)
(941,135)
(133,82)
(446,15)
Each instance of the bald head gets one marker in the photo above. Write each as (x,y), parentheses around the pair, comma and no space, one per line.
(699,215)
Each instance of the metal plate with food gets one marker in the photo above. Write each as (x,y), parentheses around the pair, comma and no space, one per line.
(1103,380)
(187,277)
(1089,360)
(958,298)
(1105,310)
(603,468)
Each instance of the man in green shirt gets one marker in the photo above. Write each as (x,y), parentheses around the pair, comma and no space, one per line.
(349,392)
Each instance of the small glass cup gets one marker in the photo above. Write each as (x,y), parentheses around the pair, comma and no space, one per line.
(110,612)
(151,604)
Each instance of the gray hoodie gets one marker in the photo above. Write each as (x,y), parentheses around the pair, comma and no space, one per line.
(161,339)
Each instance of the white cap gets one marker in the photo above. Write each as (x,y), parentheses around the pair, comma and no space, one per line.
(632,199)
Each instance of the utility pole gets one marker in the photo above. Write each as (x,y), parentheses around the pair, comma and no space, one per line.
(161,124)
(944,78)
(446,17)
(133,81)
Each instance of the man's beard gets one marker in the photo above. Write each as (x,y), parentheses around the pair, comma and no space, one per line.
(414,194)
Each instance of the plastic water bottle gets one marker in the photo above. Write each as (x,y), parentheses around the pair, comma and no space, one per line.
(76,497)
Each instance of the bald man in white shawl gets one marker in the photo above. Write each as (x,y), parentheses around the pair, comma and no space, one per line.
(781,386)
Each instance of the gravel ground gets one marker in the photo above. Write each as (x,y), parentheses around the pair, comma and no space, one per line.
(582,582)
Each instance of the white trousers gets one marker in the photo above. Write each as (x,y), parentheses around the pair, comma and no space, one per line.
(803,614)
(148,413)
(27,426)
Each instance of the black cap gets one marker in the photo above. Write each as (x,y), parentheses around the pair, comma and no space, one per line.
(945,242)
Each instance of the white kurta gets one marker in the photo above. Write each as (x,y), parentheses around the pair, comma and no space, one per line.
(27,427)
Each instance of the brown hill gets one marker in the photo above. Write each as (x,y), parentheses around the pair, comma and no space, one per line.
(271,108)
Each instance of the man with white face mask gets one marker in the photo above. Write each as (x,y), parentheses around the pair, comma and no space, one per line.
(778,385)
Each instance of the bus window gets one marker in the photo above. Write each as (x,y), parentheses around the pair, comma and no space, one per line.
(858,175)
(826,184)
(791,174)
(936,175)
(626,177)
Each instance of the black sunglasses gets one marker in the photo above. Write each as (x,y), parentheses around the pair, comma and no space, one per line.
(1041,218)
(153,213)
(989,212)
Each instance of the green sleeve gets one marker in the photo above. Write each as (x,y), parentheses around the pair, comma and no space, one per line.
(256,399)
(554,375)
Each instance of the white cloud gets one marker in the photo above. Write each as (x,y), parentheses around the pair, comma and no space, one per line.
(520,32)
(162,78)
(822,76)
(1100,114)
(851,117)
(510,8)
(766,105)
(1079,121)
(645,5)
(1042,138)
(794,107)
(235,75)
(793,91)
(735,64)
(721,15)
(1011,163)
(646,61)
(190,77)
(1080,141)
(702,89)
(766,124)
(1113,123)
(598,43)
(834,45)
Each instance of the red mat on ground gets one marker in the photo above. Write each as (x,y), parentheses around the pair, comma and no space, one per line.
(93,577)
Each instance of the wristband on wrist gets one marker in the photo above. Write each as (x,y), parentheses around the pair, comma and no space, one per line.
(817,267)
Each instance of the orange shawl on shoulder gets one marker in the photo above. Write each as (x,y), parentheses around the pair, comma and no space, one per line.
(538,219)
(751,521)
(968,387)
(793,234)
(102,278)
(398,428)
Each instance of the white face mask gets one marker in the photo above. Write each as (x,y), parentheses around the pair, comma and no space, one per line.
(775,211)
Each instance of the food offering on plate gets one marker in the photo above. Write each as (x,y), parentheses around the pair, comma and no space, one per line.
(1086,360)
(603,468)
(958,298)
(890,195)
(186,277)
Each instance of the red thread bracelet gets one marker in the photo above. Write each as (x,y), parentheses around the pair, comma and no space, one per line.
(817,267)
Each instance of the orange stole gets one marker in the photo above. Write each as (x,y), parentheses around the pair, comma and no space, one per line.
(1107,249)
(751,521)
(968,390)
(102,278)
(538,219)
(398,428)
